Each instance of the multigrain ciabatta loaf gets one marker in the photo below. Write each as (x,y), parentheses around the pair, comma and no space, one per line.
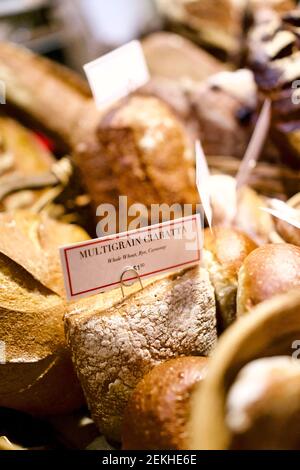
(115,342)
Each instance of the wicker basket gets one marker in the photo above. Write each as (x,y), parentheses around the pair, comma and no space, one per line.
(269,179)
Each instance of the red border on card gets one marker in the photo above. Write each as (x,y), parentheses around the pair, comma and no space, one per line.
(122,236)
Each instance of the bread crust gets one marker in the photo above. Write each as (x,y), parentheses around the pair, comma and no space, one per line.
(158,410)
(267,271)
(225,251)
(149,151)
(36,375)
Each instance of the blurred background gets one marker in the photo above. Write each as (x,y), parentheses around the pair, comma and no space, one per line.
(76,31)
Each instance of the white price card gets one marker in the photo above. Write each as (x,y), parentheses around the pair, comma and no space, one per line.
(255,145)
(283,211)
(117,74)
(95,266)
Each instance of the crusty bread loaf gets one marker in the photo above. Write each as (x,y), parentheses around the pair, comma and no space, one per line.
(224,105)
(36,373)
(115,343)
(225,250)
(171,56)
(267,271)
(15,142)
(148,153)
(141,148)
(157,413)
(217,24)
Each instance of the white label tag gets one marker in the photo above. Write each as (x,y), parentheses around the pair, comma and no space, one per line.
(283,211)
(96,266)
(255,145)
(117,74)
(203,181)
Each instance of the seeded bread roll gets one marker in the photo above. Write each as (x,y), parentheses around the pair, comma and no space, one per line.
(115,342)
(157,413)
(267,271)
(36,372)
(225,251)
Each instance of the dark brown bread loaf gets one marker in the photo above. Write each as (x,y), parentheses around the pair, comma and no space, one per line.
(157,413)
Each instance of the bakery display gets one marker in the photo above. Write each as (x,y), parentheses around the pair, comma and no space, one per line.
(111,148)
(157,413)
(191,352)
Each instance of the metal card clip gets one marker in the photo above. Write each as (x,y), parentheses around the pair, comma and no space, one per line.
(126,270)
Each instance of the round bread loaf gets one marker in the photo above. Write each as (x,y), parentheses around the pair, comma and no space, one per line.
(225,251)
(267,271)
(156,415)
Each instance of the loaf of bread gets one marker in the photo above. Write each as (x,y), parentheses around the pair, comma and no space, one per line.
(139,148)
(15,142)
(115,342)
(220,109)
(36,373)
(175,58)
(148,152)
(218,24)
(157,413)
(269,270)
(225,250)
(225,105)
(263,407)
